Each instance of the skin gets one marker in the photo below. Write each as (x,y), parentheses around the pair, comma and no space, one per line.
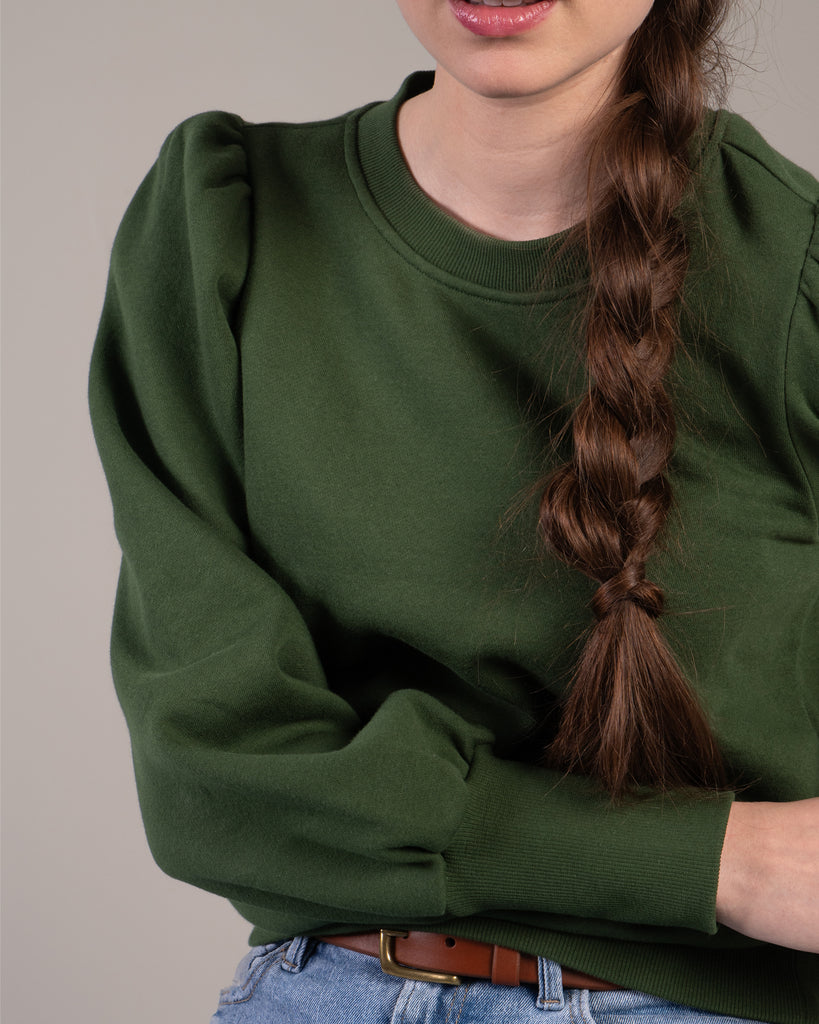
(519,109)
(769,873)
(499,143)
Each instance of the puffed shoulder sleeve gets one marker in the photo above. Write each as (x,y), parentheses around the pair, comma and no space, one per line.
(256,779)
(802,380)
(164,379)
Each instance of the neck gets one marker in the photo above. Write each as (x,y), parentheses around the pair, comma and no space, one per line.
(511,167)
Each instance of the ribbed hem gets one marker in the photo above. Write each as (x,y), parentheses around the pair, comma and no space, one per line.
(537,270)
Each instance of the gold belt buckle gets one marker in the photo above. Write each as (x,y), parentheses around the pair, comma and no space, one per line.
(389,965)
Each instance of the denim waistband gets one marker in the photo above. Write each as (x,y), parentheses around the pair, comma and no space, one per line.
(308,981)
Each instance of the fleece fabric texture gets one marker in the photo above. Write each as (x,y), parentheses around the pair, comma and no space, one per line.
(323,407)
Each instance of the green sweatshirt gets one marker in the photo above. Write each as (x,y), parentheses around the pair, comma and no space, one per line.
(323,407)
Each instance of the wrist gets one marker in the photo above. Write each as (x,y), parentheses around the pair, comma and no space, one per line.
(742,859)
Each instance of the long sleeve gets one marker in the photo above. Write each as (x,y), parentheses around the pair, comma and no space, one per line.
(256,779)
(802,373)
(802,400)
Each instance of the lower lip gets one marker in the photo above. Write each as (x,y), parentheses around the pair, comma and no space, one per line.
(499,21)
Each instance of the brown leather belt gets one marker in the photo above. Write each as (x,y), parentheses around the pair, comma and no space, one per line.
(428,956)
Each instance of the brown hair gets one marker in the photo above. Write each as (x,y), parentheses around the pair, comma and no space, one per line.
(630,718)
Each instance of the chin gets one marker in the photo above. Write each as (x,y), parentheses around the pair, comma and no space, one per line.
(508,79)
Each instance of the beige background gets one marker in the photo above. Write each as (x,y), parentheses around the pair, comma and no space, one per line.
(93,932)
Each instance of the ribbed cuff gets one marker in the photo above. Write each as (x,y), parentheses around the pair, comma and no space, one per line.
(537,841)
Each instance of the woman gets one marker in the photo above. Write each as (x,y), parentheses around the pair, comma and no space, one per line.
(392,409)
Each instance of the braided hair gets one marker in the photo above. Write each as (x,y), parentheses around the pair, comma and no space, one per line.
(630,718)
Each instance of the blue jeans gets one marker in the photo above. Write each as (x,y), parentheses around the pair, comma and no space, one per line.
(302,981)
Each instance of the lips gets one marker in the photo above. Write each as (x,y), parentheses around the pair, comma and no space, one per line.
(499,18)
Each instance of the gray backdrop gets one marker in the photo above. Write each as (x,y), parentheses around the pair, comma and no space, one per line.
(93,932)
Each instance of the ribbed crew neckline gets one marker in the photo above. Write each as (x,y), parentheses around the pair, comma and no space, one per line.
(432,239)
